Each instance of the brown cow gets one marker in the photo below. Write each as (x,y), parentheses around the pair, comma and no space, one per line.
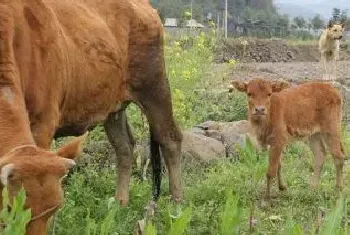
(277,116)
(69,65)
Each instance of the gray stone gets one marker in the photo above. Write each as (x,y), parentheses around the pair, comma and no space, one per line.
(201,148)
(230,134)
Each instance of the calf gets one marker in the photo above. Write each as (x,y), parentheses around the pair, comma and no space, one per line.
(279,114)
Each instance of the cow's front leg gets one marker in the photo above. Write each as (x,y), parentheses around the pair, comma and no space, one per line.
(43,129)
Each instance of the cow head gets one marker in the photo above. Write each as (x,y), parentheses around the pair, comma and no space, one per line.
(335,31)
(259,93)
(40,172)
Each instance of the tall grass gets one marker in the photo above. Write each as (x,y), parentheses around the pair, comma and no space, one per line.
(15,220)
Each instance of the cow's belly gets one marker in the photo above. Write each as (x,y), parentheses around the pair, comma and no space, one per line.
(81,116)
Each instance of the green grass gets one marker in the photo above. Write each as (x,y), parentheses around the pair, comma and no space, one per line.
(89,190)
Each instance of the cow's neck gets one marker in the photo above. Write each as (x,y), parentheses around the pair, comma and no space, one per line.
(14,123)
(260,129)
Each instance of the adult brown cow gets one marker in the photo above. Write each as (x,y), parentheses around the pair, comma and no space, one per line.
(73,64)
(278,116)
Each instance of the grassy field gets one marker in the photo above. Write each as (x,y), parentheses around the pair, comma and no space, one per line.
(225,197)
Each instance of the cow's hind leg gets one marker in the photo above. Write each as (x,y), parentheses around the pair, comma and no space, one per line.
(319,151)
(336,148)
(120,136)
(166,135)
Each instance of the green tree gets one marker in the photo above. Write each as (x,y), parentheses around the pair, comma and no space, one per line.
(336,14)
(300,22)
(343,15)
(317,22)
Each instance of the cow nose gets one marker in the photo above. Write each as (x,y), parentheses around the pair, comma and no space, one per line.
(260,110)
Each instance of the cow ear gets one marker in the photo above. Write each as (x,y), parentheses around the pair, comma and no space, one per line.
(73,149)
(278,86)
(240,85)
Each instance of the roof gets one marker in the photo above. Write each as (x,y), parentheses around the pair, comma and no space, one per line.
(194,24)
(170,22)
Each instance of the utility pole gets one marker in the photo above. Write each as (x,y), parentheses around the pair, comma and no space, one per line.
(191,8)
(191,13)
(225,18)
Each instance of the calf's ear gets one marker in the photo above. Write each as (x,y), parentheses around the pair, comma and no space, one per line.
(278,86)
(240,85)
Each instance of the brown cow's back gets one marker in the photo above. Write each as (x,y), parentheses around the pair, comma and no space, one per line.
(94,44)
(306,114)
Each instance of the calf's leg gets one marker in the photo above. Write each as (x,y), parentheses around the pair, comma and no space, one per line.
(273,168)
(120,136)
(281,185)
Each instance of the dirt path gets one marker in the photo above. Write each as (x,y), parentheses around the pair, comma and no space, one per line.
(289,71)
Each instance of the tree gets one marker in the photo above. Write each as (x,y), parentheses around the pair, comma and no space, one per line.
(343,15)
(317,22)
(300,22)
(283,21)
(336,14)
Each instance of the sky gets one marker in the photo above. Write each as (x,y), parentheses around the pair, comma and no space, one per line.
(297,2)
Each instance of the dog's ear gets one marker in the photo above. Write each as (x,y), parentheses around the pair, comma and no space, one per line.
(330,24)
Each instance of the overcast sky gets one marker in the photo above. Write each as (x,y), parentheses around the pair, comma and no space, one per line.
(296,2)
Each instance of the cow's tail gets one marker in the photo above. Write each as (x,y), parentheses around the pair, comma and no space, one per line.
(156,162)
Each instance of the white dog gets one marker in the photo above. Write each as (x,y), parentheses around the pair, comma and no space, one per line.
(329,48)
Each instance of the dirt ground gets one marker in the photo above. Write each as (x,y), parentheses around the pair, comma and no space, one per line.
(274,50)
(289,71)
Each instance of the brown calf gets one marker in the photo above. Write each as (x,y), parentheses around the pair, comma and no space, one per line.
(277,116)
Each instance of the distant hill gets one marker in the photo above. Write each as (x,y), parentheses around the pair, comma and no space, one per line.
(309,10)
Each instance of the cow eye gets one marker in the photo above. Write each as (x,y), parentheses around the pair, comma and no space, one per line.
(269,94)
(249,94)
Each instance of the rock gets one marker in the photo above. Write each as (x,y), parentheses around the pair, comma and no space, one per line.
(230,134)
(235,134)
(201,147)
